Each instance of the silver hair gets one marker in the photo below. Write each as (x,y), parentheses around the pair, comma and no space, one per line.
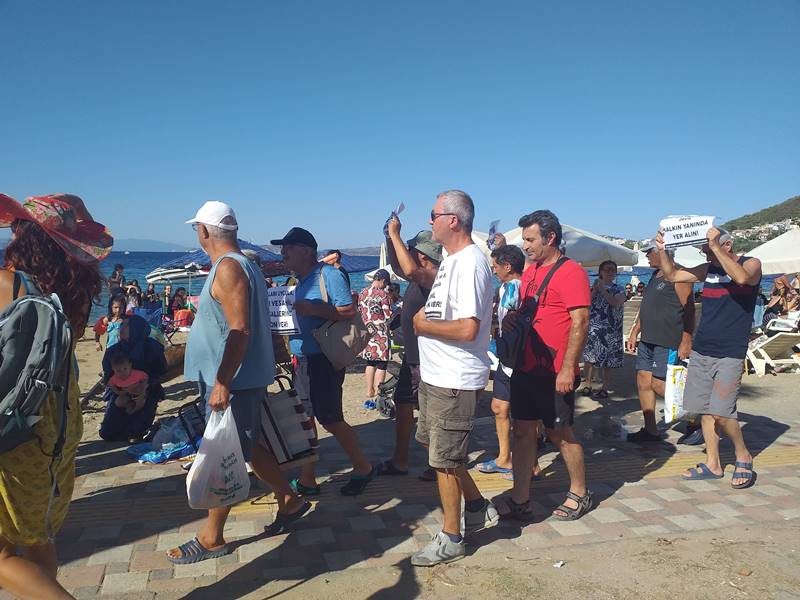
(460,204)
(219,233)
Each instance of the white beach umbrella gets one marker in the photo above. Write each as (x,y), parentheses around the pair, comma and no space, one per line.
(582,246)
(779,255)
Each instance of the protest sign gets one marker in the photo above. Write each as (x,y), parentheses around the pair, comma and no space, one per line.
(689,230)
(282,318)
(395,213)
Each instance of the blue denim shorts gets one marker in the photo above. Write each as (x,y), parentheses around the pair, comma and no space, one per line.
(654,359)
(246,410)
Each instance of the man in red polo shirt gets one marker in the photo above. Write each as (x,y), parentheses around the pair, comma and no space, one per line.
(543,383)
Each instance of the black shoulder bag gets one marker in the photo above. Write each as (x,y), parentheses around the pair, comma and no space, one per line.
(511,343)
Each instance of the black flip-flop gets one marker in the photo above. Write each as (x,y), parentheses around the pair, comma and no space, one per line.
(283,521)
(357,483)
(387,468)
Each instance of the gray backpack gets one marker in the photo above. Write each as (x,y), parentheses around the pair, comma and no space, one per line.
(35,359)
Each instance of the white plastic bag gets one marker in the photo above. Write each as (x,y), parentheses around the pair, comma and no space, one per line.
(218,476)
(673,393)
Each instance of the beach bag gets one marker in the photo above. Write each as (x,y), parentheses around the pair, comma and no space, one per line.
(35,359)
(511,344)
(286,430)
(673,391)
(341,341)
(218,476)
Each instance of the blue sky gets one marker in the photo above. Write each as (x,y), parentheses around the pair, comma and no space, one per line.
(327,114)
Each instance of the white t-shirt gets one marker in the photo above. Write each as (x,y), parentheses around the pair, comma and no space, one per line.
(462,290)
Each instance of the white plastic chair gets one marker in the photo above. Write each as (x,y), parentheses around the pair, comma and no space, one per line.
(774,351)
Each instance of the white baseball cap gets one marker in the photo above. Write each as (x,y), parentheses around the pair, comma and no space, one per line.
(214,213)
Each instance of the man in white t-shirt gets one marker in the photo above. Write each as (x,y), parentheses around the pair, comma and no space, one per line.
(453,329)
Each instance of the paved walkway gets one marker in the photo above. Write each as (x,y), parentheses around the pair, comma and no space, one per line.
(124,515)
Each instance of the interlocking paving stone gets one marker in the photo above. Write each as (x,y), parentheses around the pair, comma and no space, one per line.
(76,577)
(671,494)
(112,555)
(104,532)
(640,504)
(649,530)
(689,522)
(772,490)
(719,509)
(569,528)
(199,569)
(790,481)
(608,515)
(120,583)
(367,523)
(320,535)
(342,559)
(398,545)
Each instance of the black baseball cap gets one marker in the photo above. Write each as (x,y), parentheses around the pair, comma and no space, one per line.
(297,236)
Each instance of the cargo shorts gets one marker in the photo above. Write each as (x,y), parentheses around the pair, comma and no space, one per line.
(444,424)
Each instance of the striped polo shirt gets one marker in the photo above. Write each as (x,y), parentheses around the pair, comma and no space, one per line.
(727,315)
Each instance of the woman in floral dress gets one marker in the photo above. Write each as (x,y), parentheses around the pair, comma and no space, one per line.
(374,304)
(604,347)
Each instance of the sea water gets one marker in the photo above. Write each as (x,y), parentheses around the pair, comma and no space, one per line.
(139,264)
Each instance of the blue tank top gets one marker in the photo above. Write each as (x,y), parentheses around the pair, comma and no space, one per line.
(210,330)
(113,330)
(727,316)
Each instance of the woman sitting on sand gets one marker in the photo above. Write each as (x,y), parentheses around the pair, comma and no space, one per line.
(147,355)
(55,248)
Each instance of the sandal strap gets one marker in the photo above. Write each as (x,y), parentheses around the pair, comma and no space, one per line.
(578,499)
(744,465)
(192,548)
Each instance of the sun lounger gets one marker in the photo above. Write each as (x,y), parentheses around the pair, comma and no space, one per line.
(789,324)
(774,351)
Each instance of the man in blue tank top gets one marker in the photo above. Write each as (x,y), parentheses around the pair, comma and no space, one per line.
(716,362)
(230,355)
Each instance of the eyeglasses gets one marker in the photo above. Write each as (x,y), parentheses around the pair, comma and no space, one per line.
(435,215)
(194,226)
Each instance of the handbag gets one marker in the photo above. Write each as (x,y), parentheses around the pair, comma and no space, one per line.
(511,343)
(286,431)
(341,341)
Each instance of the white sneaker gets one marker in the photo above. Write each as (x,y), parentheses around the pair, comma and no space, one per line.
(481,519)
(441,549)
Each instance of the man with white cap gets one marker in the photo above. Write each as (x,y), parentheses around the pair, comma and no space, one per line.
(230,355)
(666,323)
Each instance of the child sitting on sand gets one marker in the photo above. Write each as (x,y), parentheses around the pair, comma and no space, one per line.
(129,384)
(110,323)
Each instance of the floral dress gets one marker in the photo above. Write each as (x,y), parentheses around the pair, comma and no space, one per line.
(604,345)
(376,310)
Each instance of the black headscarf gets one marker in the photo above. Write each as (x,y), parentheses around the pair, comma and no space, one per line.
(145,353)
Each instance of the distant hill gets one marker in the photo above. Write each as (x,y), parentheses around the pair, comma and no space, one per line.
(139,245)
(790,209)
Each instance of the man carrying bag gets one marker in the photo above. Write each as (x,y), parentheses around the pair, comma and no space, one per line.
(324,379)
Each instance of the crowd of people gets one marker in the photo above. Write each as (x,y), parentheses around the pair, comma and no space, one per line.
(545,302)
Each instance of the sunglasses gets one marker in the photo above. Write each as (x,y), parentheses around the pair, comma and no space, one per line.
(435,215)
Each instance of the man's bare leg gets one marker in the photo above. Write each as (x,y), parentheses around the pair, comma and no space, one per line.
(347,439)
(647,400)
(572,453)
(266,468)
(211,535)
(502,424)
(403,424)
(733,430)
(523,457)
(369,376)
(450,495)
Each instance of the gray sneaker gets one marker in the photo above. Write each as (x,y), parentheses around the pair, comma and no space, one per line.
(481,519)
(440,550)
